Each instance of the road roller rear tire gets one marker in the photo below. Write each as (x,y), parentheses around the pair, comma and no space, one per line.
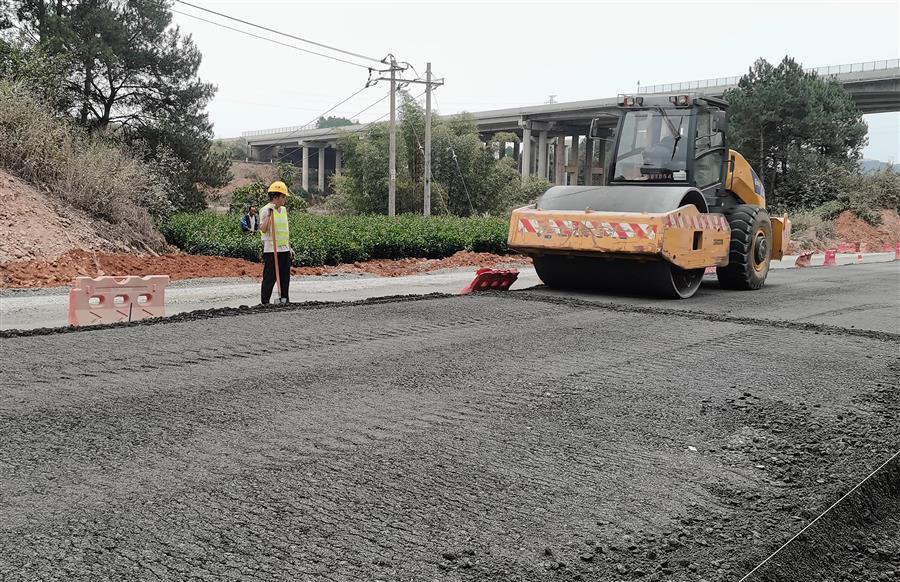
(657,278)
(750,249)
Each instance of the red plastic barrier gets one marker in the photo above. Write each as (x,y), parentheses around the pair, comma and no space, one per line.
(830,258)
(494,279)
(859,257)
(709,271)
(117,299)
(897,252)
(803,259)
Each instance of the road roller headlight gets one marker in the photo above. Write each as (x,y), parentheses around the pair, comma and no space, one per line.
(680,100)
(630,100)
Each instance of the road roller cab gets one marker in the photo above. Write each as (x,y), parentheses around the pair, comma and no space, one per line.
(676,201)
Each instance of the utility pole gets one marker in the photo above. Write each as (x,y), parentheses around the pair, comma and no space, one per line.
(392,129)
(392,144)
(426,203)
(392,164)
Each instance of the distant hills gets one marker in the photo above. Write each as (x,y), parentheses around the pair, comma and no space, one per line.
(874,165)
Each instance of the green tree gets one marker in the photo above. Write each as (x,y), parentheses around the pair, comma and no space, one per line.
(44,74)
(332,121)
(40,17)
(5,15)
(466,177)
(133,74)
(786,121)
(256,194)
(234,149)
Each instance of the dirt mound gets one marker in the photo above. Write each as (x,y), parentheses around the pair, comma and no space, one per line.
(403,267)
(38,226)
(849,228)
(80,263)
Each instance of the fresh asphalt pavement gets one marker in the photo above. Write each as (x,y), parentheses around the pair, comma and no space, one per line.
(863,297)
(529,435)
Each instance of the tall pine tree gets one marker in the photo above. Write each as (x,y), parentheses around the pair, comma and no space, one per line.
(133,74)
(788,122)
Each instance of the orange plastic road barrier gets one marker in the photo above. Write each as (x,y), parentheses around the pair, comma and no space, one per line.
(830,258)
(803,260)
(491,279)
(116,299)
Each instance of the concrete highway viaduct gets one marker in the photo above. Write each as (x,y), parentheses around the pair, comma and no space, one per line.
(550,135)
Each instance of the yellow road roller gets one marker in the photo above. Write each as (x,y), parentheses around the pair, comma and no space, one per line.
(676,200)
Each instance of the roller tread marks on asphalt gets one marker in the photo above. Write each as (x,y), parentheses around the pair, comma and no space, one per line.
(535,433)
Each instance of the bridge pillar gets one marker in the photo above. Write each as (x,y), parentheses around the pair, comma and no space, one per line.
(573,161)
(321,173)
(588,161)
(526,151)
(501,150)
(516,146)
(337,161)
(304,173)
(542,155)
(602,153)
(559,157)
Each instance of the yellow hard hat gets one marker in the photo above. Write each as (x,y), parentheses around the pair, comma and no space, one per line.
(279,187)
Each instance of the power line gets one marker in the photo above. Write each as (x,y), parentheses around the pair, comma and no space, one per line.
(422,149)
(360,112)
(286,154)
(219,24)
(370,106)
(416,134)
(294,132)
(461,177)
(821,515)
(388,113)
(400,86)
(306,40)
(269,105)
(458,169)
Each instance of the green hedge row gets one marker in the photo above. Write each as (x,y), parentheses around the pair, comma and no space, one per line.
(331,240)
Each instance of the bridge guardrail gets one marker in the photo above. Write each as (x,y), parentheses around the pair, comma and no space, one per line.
(728,81)
(288,129)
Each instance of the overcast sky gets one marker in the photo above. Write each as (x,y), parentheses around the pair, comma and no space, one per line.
(503,54)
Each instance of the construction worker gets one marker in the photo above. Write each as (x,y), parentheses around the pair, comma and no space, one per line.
(250,221)
(276,262)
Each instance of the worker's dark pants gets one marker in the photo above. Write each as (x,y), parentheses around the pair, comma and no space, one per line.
(284,272)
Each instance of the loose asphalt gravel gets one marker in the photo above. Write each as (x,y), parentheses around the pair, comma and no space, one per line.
(532,435)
